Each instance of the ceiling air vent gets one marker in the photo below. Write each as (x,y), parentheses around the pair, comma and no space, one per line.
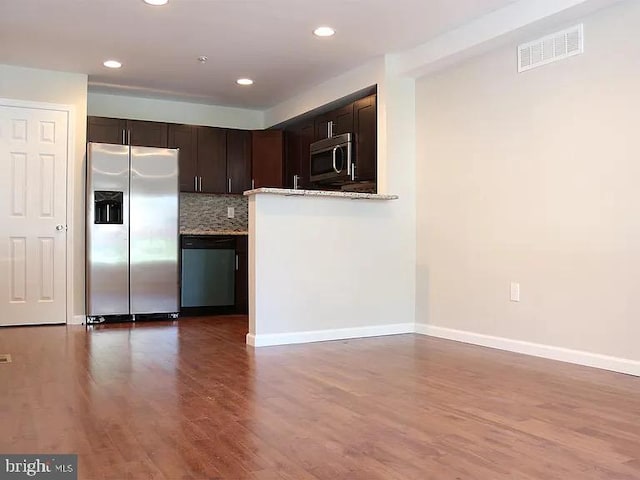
(551,48)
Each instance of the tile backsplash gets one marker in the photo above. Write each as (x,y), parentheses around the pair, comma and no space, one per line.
(199,211)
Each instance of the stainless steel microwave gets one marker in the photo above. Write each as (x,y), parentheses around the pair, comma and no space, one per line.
(331,160)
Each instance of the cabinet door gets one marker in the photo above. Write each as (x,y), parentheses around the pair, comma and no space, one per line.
(267,158)
(292,161)
(242,274)
(147,134)
(343,120)
(365,130)
(106,130)
(321,124)
(212,159)
(185,137)
(239,160)
(305,133)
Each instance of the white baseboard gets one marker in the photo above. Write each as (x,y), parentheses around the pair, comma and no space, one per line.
(621,365)
(326,335)
(77,320)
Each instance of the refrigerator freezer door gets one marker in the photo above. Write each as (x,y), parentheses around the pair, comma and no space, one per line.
(154,230)
(107,241)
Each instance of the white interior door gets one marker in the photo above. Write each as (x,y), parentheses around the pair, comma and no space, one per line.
(33,196)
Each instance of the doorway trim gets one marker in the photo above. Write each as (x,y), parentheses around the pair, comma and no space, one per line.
(70,110)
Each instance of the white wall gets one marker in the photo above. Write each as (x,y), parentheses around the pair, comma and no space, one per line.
(325,268)
(69,89)
(158,110)
(534,178)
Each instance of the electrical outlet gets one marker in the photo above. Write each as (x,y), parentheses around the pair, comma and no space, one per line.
(515,292)
(231,212)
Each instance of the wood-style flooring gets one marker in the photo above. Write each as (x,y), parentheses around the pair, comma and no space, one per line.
(189,400)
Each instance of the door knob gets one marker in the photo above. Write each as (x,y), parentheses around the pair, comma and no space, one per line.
(59,227)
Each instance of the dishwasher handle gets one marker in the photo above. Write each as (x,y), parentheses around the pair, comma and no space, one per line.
(208,242)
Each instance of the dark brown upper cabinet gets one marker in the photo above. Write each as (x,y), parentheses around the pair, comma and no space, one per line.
(358,117)
(297,141)
(147,134)
(202,157)
(365,127)
(267,158)
(212,160)
(185,137)
(238,161)
(342,119)
(127,132)
(106,130)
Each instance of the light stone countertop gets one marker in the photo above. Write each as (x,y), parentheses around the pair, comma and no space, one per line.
(195,231)
(321,193)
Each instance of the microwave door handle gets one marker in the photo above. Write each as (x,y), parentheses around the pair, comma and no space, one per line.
(333,157)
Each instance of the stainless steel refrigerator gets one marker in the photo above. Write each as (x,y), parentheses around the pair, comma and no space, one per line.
(132,231)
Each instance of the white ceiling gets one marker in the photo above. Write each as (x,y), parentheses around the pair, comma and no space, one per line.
(267,40)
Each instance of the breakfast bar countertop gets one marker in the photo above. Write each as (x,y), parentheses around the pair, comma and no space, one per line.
(321,193)
(196,231)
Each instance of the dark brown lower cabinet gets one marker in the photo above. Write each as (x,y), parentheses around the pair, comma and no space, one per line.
(242,274)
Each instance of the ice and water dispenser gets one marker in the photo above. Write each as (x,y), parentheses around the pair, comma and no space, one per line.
(108,207)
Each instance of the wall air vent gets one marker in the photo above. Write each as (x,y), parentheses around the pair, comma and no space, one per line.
(551,48)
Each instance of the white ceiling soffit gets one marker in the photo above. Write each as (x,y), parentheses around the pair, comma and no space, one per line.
(499,27)
(269,41)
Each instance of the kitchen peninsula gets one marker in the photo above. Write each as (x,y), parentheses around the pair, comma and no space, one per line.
(322,266)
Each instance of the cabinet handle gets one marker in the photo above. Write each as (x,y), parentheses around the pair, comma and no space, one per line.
(195,183)
(295,181)
(200,186)
(129,137)
(237,268)
(124,140)
(253,184)
(229,184)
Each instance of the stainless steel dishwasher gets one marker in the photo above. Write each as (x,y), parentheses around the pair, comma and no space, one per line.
(208,271)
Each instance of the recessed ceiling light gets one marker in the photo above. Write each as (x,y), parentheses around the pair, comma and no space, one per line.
(112,64)
(244,81)
(203,58)
(156,2)
(324,32)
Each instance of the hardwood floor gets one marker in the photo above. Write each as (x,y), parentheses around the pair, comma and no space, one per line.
(188,400)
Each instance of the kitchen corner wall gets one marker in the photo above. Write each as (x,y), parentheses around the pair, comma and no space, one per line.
(204,212)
